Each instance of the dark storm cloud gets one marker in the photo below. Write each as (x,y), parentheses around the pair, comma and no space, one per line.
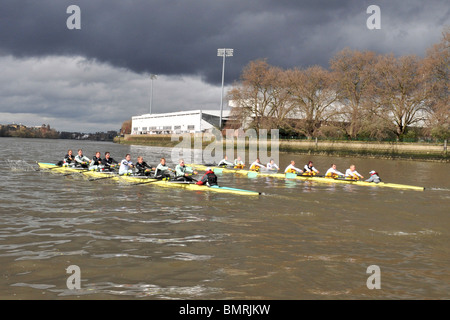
(76,94)
(181,37)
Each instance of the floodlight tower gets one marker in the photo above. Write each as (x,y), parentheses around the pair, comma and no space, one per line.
(223,53)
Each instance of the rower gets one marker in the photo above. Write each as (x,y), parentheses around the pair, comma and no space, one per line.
(96,162)
(333,173)
(238,163)
(108,162)
(209,178)
(69,160)
(126,166)
(374,177)
(183,173)
(143,169)
(292,168)
(81,161)
(256,166)
(162,171)
(309,169)
(351,173)
(272,166)
(225,163)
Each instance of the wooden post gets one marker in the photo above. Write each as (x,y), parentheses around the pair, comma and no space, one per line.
(445,146)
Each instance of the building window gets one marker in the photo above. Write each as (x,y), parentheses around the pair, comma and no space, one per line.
(177,128)
(135,129)
(152,128)
(167,127)
(144,128)
(191,127)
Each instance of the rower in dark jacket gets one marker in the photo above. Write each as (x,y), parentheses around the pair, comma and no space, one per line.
(96,163)
(97,159)
(209,178)
(69,159)
(143,169)
(109,162)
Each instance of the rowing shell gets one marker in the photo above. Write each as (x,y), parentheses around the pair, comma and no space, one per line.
(252,174)
(96,175)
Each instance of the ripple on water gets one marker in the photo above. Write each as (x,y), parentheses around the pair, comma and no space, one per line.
(133,290)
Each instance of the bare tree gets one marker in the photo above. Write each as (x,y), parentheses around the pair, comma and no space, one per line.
(365,94)
(400,91)
(437,74)
(261,95)
(126,127)
(281,106)
(312,92)
(354,72)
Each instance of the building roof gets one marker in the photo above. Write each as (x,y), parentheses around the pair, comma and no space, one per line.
(225,113)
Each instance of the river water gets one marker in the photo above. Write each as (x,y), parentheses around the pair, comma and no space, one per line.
(299,240)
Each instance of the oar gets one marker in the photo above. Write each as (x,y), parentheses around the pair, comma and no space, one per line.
(346,179)
(312,175)
(293,175)
(56,167)
(151,180)
(222,166)
(193,180)
(80,171)
(102,178)
(181,182)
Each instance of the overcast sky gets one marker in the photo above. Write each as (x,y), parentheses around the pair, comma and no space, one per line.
(94,78)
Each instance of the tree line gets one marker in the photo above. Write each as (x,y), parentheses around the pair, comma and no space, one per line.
(45,132)
(362,95)
(21,131)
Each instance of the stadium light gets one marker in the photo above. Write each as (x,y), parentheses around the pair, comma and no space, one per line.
(223,53)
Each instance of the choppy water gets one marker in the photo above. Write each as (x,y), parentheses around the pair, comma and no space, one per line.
(300,240)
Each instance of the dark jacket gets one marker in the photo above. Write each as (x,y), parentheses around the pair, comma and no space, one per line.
(141,167)
(96,161)
(209,179)
(69,159)
(108,162)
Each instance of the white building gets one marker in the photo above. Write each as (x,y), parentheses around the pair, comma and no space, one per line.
(178,122)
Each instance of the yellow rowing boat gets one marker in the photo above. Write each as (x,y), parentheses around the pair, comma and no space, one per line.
(253,174)
(96,175)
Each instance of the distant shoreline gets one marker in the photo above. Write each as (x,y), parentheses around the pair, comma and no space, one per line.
(46,132)
(93,138)
(414,151)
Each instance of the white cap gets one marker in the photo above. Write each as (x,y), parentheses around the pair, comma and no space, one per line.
(208,169)
(372,172)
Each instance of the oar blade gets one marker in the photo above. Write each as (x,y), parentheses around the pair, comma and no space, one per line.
(252,174)
(290,175)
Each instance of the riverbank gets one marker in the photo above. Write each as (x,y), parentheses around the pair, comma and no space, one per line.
(382,150)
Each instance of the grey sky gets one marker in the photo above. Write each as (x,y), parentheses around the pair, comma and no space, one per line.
(97,77)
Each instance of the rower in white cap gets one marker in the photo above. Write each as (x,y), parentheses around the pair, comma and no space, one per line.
(374,177)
